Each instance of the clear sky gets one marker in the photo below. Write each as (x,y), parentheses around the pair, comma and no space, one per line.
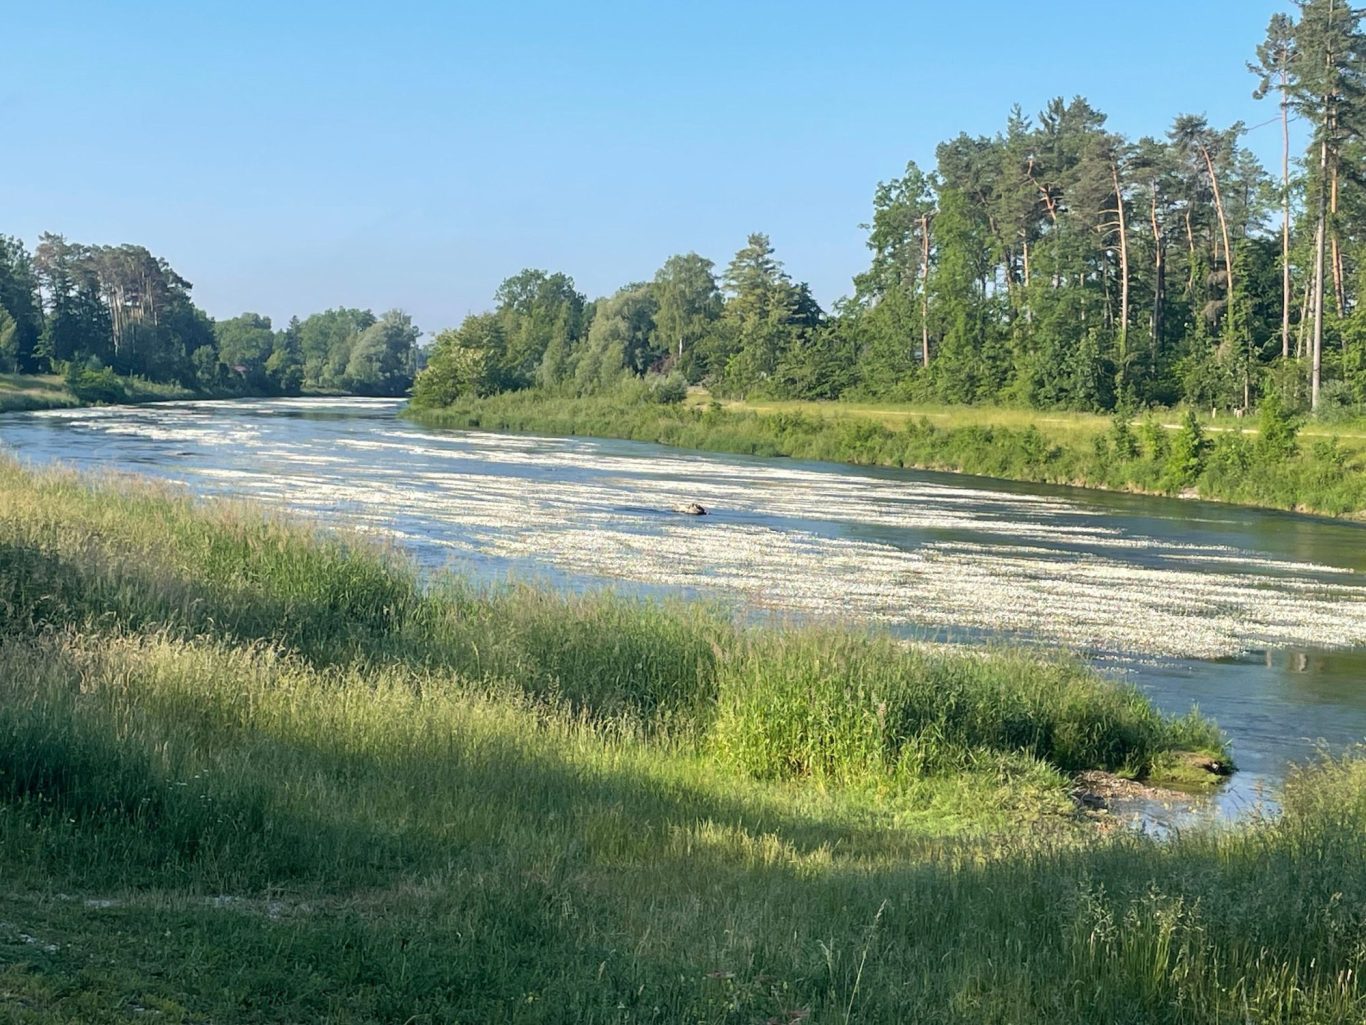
(290,156)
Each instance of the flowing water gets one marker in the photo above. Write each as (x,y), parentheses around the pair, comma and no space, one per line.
(1258,617)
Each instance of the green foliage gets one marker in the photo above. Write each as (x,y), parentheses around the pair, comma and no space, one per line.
(669,389)
(1122,436)
(517,805)
(1186,458)
(843,709)
(1276,428)
(122,308)
(467,361)
(96,387)
(383,358)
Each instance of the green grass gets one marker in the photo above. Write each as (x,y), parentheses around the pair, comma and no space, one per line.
(1064,427)
(383,803)
(28,392)
(1326,475)
(22,392)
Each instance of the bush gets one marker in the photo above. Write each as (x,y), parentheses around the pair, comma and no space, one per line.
(1277,428)
(102,387)
(1186,459)
(668,389)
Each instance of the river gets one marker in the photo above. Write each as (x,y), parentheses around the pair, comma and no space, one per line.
(1258,617)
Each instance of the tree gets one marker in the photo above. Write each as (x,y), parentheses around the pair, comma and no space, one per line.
(1275,59)
(971,365)
(76,323)
(9,342)
(899,237)
(1186,460)
(464,362)
(325,342)
(622,339)
(689,302)
(1194,139)
(1326,83)
(244,343)
(543,319)
(764,310)
(286,362)
(19,301)
(383,359)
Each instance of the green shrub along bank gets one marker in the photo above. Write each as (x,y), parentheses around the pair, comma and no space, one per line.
(250,773)
(1272,468)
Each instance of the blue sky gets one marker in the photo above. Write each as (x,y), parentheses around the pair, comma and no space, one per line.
(291,156)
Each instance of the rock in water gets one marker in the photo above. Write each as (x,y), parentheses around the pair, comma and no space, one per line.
(692,509)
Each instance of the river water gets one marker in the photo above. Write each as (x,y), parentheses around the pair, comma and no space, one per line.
(1258,617)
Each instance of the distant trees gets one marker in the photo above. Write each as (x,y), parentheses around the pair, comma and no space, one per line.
(123,310)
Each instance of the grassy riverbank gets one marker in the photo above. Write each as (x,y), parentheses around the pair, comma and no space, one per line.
(1323,474)
(248,774)
(26,392)
(21,393)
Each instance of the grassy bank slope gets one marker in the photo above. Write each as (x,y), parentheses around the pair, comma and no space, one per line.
(1325,476)
(251,775)
(24,392)
(19,392)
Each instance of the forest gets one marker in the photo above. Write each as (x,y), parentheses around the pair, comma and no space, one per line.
(1054,265)
(99,313)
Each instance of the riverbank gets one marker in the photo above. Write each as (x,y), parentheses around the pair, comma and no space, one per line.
(22,393)
(251,773)
(1323,474)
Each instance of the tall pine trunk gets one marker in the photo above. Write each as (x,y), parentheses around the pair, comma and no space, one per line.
(1123,277)
(1159,277)
(1320,233)
(1223,231)
(925,290)
(1285,216)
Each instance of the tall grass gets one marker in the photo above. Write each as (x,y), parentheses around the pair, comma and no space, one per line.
(222,832)
(78,554)
(845,708)
(381,802)
(1324,477)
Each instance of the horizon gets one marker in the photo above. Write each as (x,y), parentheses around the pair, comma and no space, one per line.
(596,142)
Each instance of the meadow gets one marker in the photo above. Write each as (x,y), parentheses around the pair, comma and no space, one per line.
(252,772)
(1318,468)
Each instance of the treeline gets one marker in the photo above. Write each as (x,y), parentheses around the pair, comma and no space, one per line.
(96,313)
(1054,264)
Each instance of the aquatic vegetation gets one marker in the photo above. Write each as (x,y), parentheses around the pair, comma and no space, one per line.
(946,557)
(1326,479)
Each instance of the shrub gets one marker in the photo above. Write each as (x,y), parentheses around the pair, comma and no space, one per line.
(668,389)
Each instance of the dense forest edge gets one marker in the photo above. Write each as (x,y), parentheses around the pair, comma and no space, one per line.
(251,771)
(1055,266)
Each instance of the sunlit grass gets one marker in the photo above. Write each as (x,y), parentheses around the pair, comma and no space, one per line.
(250,773)
(20,392)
